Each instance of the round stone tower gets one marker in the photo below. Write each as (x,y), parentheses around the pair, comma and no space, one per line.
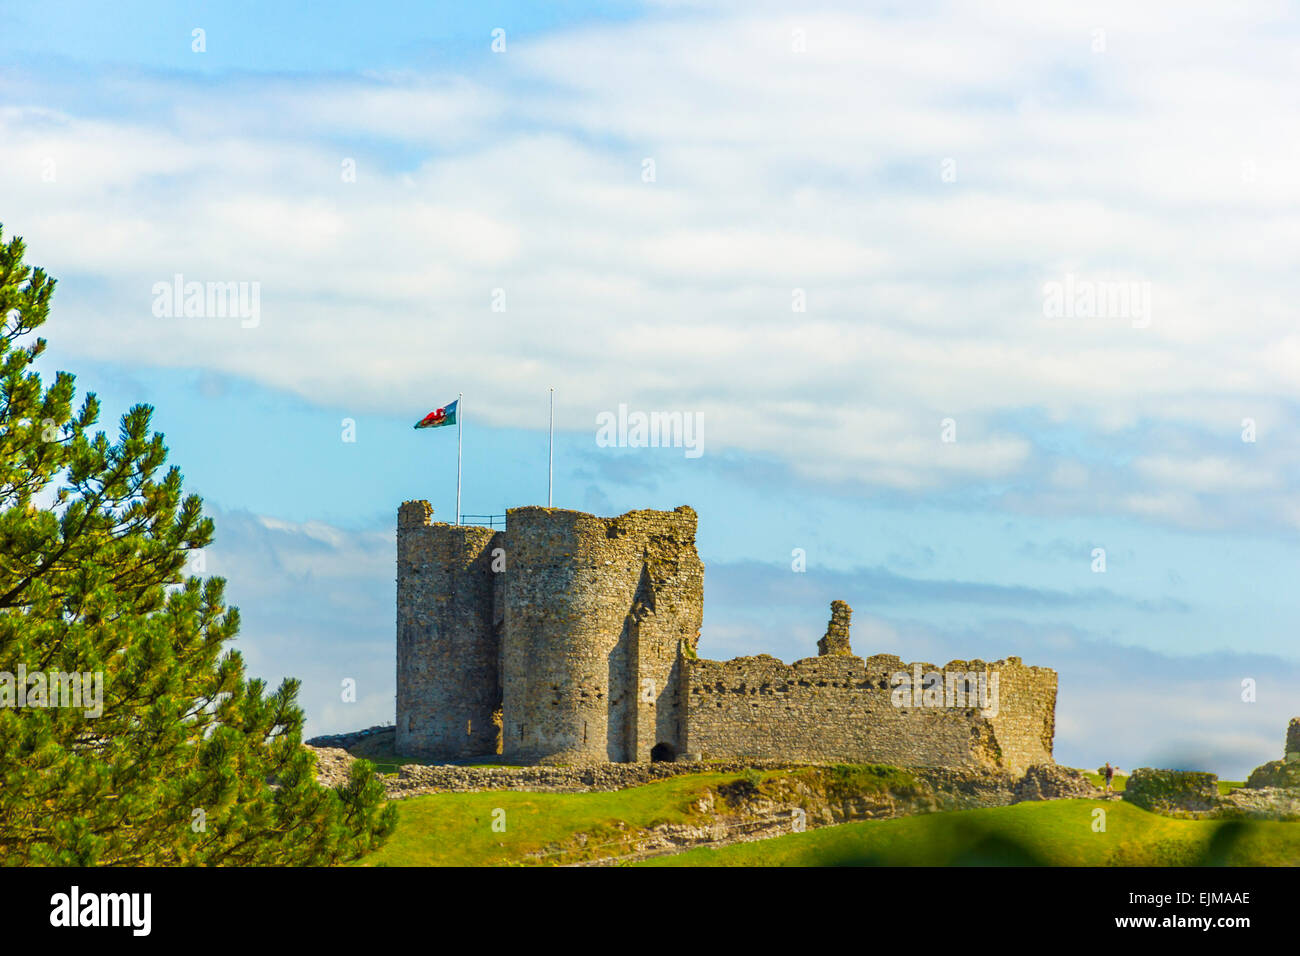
(448,682)
(595,610)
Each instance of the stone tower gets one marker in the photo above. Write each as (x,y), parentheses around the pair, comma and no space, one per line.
(595,610)
(448,646)
(572,625)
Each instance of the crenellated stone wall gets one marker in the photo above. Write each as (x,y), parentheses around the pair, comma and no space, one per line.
(841,708)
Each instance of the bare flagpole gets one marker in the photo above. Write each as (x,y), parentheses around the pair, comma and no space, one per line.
(550,453)
(460,421)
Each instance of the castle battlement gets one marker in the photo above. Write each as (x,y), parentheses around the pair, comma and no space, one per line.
(573,638)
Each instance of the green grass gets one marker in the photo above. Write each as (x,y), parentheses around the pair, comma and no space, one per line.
(846,781)
(455,829)
(1057,832)
(1117,783)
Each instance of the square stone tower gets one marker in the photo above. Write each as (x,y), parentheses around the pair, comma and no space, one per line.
(448,646)
(573,626)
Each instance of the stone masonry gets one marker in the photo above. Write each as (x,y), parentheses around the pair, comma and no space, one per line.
(838,708)
(571,626)
(448,643)
(836,640)
(1280,773)
(571,639)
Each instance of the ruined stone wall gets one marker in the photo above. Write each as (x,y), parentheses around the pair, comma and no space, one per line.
(838,708)
(1025,725)
(836,639)
(594,610)
(447,647)
(582,631)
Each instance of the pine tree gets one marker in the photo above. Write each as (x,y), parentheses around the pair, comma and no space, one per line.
(190,762)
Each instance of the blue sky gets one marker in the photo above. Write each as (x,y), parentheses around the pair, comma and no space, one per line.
(284,37)
(917,174)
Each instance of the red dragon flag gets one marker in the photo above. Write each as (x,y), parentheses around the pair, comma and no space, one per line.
(449,415)
(439,417)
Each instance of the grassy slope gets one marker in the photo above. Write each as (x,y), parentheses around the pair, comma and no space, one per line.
(455,829)
(1055,833)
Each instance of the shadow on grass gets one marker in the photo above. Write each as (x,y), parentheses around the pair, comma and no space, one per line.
(975,845)
(1222,847)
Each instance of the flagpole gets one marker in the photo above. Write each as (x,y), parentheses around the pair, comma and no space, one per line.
(550,453)
(460,420)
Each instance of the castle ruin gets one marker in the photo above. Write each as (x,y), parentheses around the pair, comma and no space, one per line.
(570,638)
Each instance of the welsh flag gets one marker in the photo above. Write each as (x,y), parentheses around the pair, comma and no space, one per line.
(439,416)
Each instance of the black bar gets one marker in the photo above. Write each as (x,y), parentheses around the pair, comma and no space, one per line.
(337,905)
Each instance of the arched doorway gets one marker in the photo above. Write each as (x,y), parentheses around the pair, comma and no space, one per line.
(663,752)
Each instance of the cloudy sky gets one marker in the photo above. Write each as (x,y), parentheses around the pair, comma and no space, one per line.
(837,236)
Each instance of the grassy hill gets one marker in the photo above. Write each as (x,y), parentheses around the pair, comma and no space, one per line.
(456,829)
(1054,833)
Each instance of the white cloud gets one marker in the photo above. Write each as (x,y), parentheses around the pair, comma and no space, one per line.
(775,171)
(1206,474)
